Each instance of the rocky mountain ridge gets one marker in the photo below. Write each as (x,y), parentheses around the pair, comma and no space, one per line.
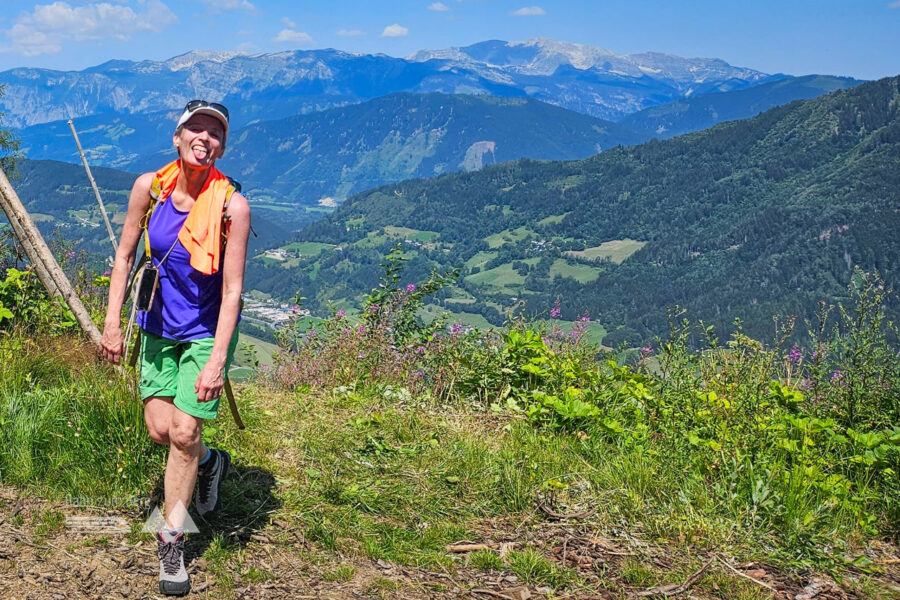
(583,78)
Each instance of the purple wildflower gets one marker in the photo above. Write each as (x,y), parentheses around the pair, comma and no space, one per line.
(456,329)
(795,355)
(341,312)
(411,288)
(345,331)
(646,351)
(374,308)
(312,333)
(70,255)
(837,376)
(361,329)
(556,311)
(421,349)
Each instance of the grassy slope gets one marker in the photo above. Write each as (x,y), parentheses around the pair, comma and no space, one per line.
(328,482)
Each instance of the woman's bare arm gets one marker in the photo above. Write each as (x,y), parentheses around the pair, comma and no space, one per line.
(111,343)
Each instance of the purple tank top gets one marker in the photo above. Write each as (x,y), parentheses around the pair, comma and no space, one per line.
(187,302)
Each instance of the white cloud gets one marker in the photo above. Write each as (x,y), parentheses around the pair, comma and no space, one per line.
(529,11)
(48,26)
(394,31)
(226,5)
(294,37)
(288,23)
(438,7)
(350,32)
(895,4)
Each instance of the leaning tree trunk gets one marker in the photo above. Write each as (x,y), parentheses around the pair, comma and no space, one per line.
(48,270)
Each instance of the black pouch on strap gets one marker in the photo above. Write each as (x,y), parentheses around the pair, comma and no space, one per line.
(148,281)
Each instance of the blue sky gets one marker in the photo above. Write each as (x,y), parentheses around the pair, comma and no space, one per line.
(838,37)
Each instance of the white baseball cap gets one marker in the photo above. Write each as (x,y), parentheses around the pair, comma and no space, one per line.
(202,107)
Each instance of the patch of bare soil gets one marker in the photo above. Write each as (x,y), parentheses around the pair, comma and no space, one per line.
(40,558)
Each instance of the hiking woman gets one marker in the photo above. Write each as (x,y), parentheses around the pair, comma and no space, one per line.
(189,332)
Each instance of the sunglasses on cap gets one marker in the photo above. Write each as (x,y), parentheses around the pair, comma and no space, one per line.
(195,104)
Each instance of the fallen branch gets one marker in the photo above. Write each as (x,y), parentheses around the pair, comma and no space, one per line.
(459,547)
(745,576)
(563,516)
(668,591)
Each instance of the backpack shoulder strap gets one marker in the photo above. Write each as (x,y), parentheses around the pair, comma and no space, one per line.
(155,192)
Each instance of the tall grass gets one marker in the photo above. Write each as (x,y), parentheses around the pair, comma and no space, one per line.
(792,451)
(70,426)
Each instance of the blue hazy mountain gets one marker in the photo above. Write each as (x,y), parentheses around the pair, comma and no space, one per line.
(705,110)
(269,86)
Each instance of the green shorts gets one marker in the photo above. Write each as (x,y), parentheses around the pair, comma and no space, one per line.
(170,368)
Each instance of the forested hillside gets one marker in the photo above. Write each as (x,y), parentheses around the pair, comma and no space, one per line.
(341,151)
(701,111)
(745,220)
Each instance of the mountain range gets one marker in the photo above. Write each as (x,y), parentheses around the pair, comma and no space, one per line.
(324,156)
(748,219)
(271,86)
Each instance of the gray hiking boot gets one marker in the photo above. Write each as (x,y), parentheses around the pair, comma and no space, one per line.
(209,481)
(173,579)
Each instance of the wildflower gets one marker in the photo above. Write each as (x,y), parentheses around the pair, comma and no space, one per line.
(556,310)
(107,273)
(295,308)
(312,333)
(374,308)
(646,350)
(411,288)
(345,331)
(70,255)
(804,384)
(837,376)
(794,356)
(456,329)
(361,329)
(420,349)
(341,312)
(419,374)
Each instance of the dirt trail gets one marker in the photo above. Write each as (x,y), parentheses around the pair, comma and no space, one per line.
(40,558)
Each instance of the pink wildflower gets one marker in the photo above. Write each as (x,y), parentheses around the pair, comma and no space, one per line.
(556,310)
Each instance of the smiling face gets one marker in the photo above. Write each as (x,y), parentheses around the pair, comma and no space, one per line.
(200,141)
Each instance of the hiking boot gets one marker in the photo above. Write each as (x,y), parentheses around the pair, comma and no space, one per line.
(173,579)
(209,481)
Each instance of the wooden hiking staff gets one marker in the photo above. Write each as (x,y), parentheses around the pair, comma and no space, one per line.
(48,270)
